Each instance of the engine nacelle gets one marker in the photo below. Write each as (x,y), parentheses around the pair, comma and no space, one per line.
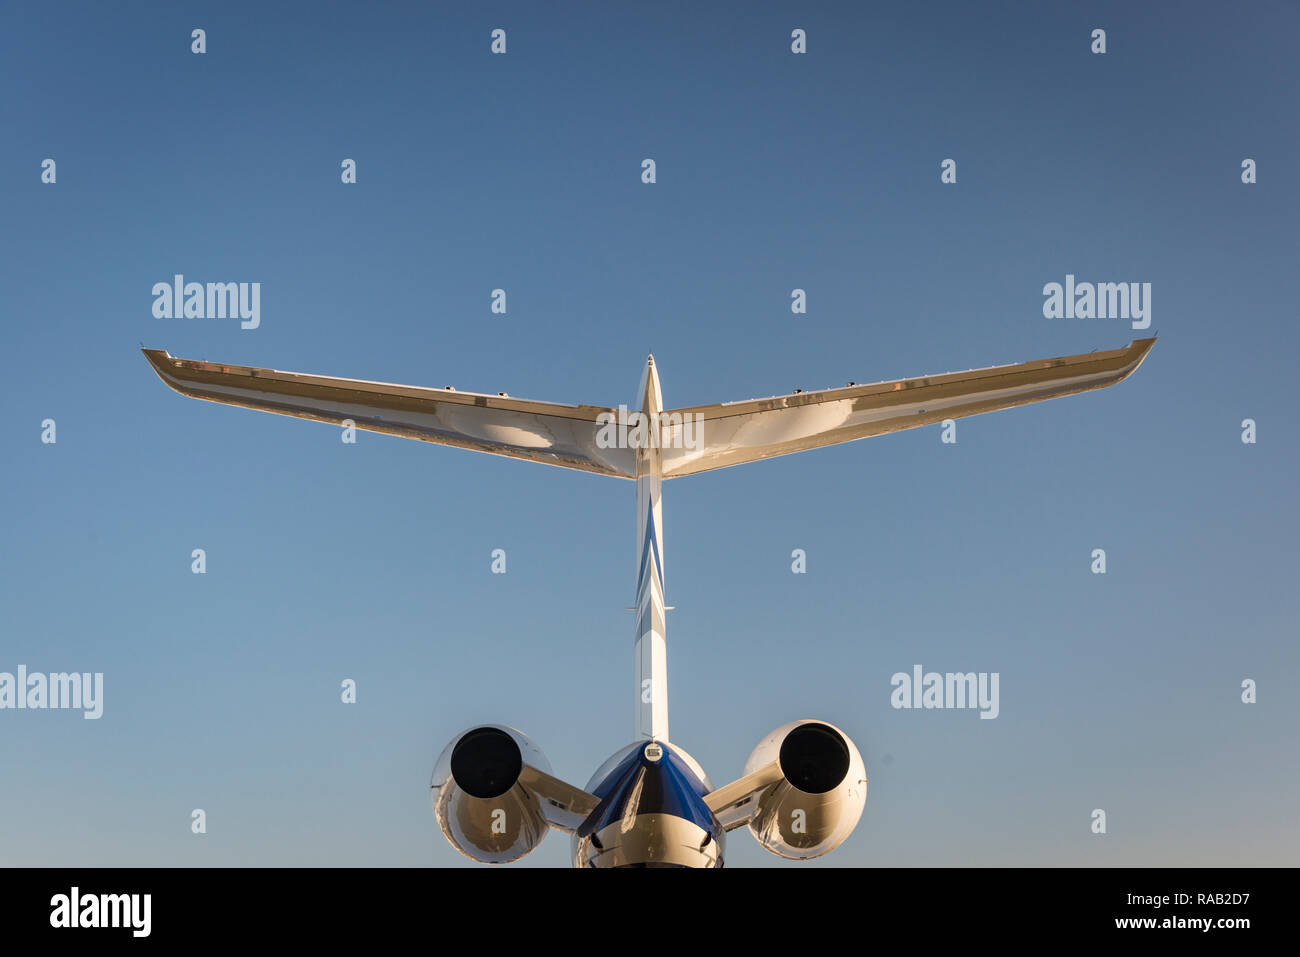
(480,805)
(819,800)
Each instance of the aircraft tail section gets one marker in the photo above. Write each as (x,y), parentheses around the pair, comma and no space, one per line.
(733,433)
(657,445)
(568,436)
(651,612)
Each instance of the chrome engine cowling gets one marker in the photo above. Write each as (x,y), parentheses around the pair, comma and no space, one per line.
(820,797)
(477,799)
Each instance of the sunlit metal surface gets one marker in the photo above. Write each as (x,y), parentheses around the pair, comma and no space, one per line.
(736,432)
(651,804)
(546,432)
(651,813)
(497,828)
(799,824)
(729,433)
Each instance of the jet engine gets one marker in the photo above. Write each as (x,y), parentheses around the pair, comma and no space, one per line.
(818,798)
(481,805)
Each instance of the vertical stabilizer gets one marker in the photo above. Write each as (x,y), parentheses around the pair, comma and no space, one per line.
(651,651)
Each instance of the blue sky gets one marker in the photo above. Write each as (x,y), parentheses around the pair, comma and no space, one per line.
(775,171)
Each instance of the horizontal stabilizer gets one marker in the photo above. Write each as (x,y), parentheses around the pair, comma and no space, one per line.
(732,433)
(691,440)
(547,432)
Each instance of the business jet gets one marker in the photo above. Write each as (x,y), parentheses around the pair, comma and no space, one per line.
(651,804)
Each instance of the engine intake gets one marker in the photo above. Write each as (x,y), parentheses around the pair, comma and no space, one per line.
(486,762)
(814,758)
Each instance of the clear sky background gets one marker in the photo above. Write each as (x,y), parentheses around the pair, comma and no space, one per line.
(327,561)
